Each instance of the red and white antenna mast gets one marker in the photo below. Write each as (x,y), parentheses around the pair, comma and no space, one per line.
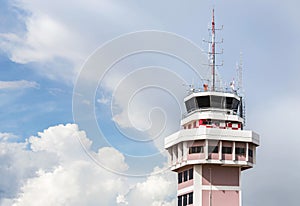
(213,51)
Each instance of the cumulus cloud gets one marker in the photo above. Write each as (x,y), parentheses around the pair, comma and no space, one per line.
(53,169)
(156,190)
(21,84)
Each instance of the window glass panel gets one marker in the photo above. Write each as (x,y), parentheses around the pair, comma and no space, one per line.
(180,201)
(229,102)
(180,177)
(191,105)
(185,175)
(190,198)
(191,174)
(250,153)
(203,102)
(227,150)
(239,151)
(217,102)
(213,149)
(235,105)
(197,149)
(184,200)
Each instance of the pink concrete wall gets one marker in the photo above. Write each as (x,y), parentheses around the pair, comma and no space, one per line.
(240,157)
(227,156)
(196,156)
(226,144)
(240,144)
(198,143)
(213,156)
(185,184)
(221,175)
(221,198)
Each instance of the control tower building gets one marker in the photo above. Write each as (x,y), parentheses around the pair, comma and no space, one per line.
(212,148)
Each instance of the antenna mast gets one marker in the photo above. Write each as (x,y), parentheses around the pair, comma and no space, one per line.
(213,51)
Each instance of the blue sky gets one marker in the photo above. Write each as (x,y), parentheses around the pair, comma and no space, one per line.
(45,44)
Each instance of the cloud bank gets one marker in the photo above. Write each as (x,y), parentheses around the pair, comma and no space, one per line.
(53,169)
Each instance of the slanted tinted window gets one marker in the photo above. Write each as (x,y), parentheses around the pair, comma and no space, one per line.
(190,198)
(235,105)
(191,174)
(203,102)
(213,149)
(180,201)
(185,175)
(239,151)
(217,102)
(229,102)
(179,177)
(227,150)
(191,105)
(232,103)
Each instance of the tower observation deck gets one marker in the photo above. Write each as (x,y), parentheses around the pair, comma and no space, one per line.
(211,149)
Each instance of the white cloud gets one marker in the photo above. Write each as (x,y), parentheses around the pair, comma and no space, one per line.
(53,169)
(60,35)
(156,190)
(21,84)
(19,164)
(111,158)
(7,137)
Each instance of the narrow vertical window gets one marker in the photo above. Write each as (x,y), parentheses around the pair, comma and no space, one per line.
(250,153)
(179,177)
(191,175)
(180,201)
(184,200)
(185,175)
(190,198)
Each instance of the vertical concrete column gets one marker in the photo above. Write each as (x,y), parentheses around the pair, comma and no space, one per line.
(247,151)
(179,149)
(233,151)
(220,149)
(174,148)
(197,185)
(206,149)
(240,186)
(185,151)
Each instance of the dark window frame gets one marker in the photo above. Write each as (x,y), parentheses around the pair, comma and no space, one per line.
(240,151)
(213,149)
(180,177)
(196,149)
(226,150)
(184,200)
(179,201)
(190,199)
(203,102)
(191,174)
(185,175)
(250,153)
